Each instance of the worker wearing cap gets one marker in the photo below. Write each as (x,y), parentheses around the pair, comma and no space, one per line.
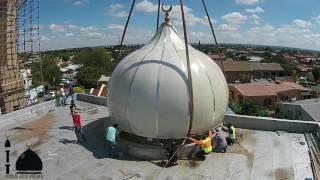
(205,144)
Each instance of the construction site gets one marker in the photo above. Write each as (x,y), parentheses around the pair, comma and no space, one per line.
(19,42)
(164,93)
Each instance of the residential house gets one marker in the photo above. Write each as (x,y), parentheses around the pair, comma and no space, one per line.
(268,94)
(236,71)
(252,92)
(70,70)
(267,70)
(289,58)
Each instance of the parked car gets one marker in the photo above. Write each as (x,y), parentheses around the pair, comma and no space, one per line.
(49,95)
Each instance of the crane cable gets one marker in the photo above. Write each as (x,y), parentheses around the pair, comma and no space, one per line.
(158,15)
(214,35)
(189,70)
(189,84)
(125,30)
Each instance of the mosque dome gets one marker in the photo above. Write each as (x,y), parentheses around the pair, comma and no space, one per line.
(149,92)
(29,161)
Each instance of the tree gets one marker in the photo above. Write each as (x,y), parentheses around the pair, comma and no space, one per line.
(50,70)
(249,108)
(95,62)
(316,73)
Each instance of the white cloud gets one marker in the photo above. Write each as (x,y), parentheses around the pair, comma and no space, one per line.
(87,29)
(115,26)
(72,27)
(116,10)
(262,29)
(255,19)
(44,38)
(254,16)
(146,6)
(56,28)
(175,14)
(79,2)
(234,18)
(317,19)
(228,28)
(256,10)
(302,23)
(94,34)
(248,2)
(69,34)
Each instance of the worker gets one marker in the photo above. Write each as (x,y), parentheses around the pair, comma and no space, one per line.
(78,128)
(220,142)
(111,134)
(232,134)
(205,145)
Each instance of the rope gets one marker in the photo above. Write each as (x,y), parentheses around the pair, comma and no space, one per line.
(178,149)
(158,15)
(189,70)
(213,34)
(125,30)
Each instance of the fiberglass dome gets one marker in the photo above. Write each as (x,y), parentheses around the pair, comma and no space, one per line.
(149,92)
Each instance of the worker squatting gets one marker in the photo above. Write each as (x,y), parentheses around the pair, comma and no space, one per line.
(215,141)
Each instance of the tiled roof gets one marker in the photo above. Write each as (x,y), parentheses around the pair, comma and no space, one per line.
(253,89)
(230,65)
(268,89)
(266,67)
(286,86)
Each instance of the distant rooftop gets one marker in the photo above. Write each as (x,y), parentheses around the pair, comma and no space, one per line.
(266,88)
(266,67)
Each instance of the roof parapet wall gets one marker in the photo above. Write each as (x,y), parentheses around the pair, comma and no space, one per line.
(272,124)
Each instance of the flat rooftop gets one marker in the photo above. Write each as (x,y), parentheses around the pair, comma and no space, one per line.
(257,155)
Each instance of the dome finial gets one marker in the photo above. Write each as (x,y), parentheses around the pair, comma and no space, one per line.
(166,19)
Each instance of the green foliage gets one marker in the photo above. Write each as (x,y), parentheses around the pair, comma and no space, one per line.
(78,90)
(316,73)
(50,70)
(95,62)
(248,108)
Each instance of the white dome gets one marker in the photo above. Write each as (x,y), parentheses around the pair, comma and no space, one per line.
(148,90)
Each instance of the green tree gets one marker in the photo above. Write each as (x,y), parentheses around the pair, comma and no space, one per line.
(249,108)
(95,62)
(50,70)
(316,73)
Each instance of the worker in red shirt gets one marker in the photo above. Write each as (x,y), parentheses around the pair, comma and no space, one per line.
(77,127)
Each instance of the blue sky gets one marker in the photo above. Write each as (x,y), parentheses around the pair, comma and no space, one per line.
(78,23)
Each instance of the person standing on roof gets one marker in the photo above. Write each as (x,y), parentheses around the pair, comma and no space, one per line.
(205,145)
(77,127)
(63,96)
(71,92)
(111,135)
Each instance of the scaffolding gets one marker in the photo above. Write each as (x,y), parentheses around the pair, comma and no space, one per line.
(19,43)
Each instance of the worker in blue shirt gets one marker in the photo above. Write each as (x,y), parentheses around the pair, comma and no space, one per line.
(111,133)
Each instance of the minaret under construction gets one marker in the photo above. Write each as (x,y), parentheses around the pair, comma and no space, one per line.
(11,85)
